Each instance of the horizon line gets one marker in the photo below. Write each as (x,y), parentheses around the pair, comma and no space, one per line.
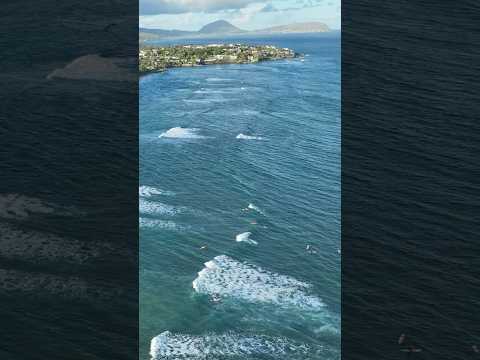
(211,22)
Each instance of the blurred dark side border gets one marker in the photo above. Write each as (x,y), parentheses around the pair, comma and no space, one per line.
(410,180)
(69,180)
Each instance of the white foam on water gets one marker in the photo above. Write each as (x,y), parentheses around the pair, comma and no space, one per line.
(159,224)
(15,206)
(209,91)
(181,133)
(63,287)
(157,208)
(255,208)
(227,277)
(149,191)
(249,137)
(216,79)
(199,101)
(221,346)
(218,98)
(245,237)
(39,247)
(20,207)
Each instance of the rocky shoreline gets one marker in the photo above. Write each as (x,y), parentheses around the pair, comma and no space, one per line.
(158,59)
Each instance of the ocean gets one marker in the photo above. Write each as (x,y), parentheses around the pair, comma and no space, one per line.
(68,200)
(239,176)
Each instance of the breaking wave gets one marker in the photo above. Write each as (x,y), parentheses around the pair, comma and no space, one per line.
(245,237)
(226,277)
(255,208)
(249,137)
(159,224)
(157,208)
(63,287)
(206,101)
(209,91)
(41,247)
(181,133)
(221,346)
(216,79)
(20,207)
(149,191)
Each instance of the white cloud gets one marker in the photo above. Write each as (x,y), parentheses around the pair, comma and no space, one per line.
(251,16)
(151,7)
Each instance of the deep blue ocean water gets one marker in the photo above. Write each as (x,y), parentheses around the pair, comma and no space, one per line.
(68,200)
(234,149)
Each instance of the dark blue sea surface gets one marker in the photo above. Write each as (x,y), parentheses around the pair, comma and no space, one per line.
(410,186)
(69,173)
(239,175)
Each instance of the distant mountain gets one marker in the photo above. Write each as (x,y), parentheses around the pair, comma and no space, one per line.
(306,27)
(151,34)
(220,27)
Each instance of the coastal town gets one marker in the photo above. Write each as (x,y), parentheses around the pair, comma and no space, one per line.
(158,59)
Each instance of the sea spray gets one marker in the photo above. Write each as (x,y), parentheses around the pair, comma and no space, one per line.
(245,237)
(248,137)
(168,345)
(227,277)
(181,133)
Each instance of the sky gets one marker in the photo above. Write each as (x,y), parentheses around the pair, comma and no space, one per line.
(245,14)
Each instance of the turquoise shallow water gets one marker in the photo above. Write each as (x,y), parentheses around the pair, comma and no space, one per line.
(214,140)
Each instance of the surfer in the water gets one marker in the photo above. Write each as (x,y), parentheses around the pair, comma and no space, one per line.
(216,298)
(409,348)
(310,249)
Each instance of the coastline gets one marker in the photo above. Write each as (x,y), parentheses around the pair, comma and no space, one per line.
(146,73)
(159,59)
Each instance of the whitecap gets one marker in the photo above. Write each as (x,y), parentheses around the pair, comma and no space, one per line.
(158,208)
(168,345)
(215,79)
(255,208)
(209,91)
(227,277)
(181,133)
(64,287)
(40,247)
(19,207)
(149,191)
(159,224)
(248,137)
(245,237)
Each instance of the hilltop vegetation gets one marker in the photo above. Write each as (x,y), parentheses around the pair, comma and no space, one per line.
(155,59)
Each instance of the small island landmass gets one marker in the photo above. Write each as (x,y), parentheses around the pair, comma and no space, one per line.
(158,59)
